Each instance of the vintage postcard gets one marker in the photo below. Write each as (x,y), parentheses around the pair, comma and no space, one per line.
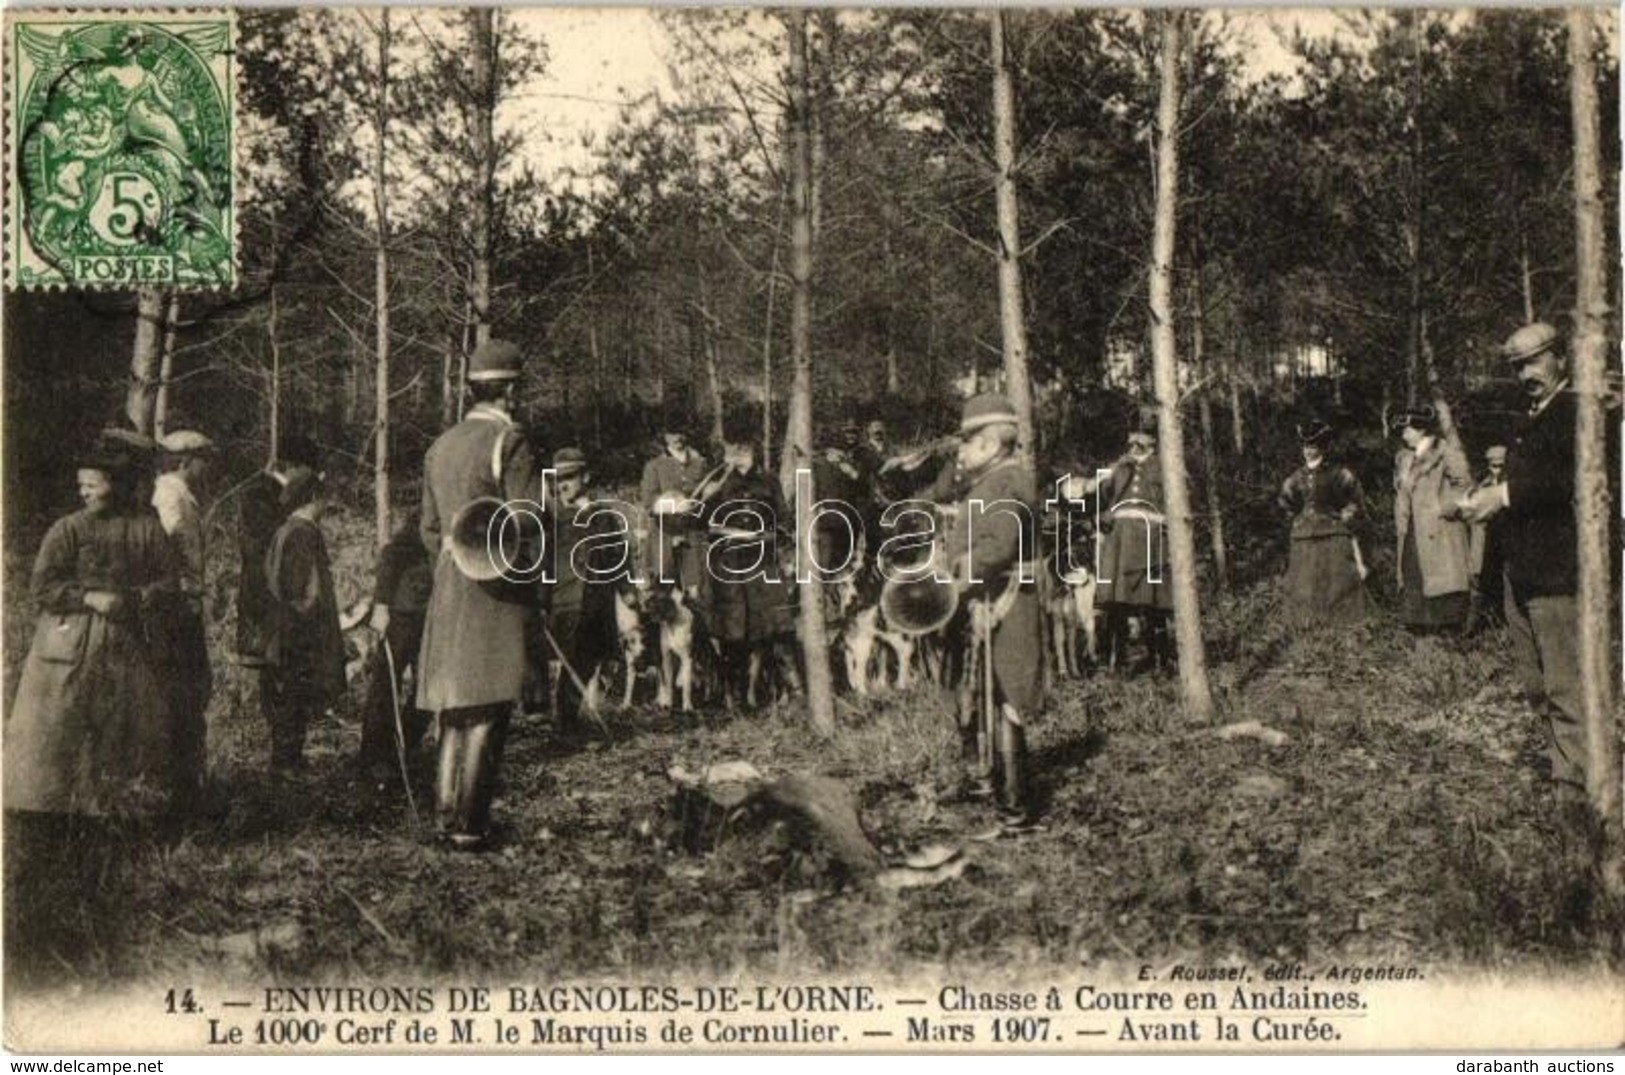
(910,530)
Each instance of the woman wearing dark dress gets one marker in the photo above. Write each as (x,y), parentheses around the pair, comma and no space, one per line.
(1325,581)
(89,736)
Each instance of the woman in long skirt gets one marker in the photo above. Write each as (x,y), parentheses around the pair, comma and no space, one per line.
(88,736)
(1325,579)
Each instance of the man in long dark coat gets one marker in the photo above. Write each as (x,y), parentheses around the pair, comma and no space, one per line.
(1534,510)
(993,548)
(472,664)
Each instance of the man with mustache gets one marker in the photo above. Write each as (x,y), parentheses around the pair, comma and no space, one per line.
(1534,509)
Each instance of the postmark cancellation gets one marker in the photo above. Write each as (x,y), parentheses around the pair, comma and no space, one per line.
(120,147)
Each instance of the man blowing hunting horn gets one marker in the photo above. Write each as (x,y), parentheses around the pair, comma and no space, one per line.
(472,664)
(992,546)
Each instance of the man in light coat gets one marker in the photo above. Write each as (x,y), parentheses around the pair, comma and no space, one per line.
(473,660)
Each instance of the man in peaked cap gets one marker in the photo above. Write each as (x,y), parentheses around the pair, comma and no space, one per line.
(183,467)
(1533,506)
(472,662)
(992,546)
(589,546)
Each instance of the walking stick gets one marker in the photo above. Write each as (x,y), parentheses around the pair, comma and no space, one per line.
(590,704)
(400,733)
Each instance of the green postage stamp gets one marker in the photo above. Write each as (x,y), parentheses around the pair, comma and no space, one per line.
(120,149)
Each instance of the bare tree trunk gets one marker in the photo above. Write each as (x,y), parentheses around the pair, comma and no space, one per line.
(1012,310)
(1193,682)
(814,648)
(460,388)
(141,402)
(448,382)
(1413,219)
(1210,456)
(894,380)
(166,365)
(1238,420)
(1591,493)
(767,338)
(483,62)
(380,206)
(271,326)
(713,378)
(596,355)
(1525,276)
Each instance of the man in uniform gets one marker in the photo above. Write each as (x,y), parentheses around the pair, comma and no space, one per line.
(992,546)
(184,465)
(675,554)
(472,664)
(1533,507)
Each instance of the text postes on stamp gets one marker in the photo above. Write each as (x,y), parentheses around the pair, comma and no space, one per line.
(121,139)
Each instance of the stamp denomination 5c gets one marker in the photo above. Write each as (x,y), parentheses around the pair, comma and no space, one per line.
(120,146)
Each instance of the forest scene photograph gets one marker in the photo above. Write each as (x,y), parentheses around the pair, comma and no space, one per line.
(1009,490)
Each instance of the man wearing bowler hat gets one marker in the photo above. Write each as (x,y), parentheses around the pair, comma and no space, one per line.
(674,550)
(1533,507)
(472,663)
(992,546)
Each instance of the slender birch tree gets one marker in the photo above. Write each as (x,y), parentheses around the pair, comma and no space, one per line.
(814,647)
(1012,309)
(1193,682)
(1592,501)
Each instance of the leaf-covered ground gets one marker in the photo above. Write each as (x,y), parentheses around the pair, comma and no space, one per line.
(1406,819)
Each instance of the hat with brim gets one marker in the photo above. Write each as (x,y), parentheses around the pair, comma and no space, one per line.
(1421,419)
(1495,454)
(1529,342)
(299,486)
(127,441)
(987,409)
(494,361)
(569,461)
(185,442)
(1314,433)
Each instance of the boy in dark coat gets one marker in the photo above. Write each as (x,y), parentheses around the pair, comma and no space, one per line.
(399,599)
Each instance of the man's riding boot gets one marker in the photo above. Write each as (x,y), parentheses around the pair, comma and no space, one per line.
(1475,613)
(978,780)
(1113,636)
(1162,642)
(1014,797)
(469,755)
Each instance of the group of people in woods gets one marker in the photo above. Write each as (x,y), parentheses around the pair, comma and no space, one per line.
(108,721)
(1462,543)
